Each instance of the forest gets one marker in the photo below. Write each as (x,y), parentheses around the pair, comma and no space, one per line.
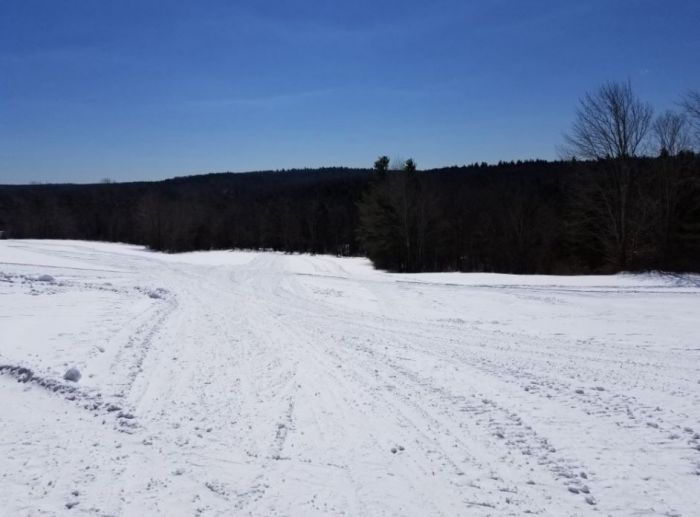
(626,197)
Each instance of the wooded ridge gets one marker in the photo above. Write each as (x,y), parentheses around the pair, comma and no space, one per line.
(515,217)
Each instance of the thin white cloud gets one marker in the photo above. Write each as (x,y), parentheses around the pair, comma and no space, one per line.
(265,101)
(289,99)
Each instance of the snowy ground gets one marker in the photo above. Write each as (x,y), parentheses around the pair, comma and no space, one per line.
(234,383)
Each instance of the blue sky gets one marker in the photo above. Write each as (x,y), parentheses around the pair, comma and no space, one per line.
(147,90)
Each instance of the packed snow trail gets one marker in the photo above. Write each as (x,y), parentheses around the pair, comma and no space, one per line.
(240,383)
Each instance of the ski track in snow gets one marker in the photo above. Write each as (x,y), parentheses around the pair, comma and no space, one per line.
(243,383)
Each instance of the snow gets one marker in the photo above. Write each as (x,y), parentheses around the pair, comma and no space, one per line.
(245,383)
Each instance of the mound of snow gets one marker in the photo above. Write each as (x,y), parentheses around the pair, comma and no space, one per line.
(73,375)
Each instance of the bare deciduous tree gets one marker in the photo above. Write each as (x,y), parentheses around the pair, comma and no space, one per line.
(610,123)
(691,104)
(670,132)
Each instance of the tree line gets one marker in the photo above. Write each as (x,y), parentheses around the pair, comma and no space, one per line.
(626,198)
(298,210)
(625,195)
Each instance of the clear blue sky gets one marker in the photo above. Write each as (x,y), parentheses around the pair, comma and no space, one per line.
(139,89)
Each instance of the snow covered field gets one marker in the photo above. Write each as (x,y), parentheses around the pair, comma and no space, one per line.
(237,383)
